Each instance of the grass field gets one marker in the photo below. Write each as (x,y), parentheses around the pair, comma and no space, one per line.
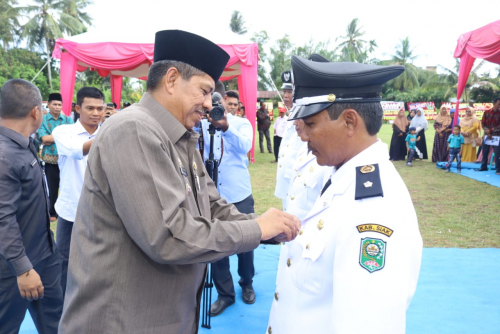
(452,210)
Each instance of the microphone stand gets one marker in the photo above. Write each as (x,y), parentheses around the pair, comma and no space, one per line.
(212,166)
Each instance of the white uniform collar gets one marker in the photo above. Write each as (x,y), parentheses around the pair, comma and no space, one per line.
(81,130)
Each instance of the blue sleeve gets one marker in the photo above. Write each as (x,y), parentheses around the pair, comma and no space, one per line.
(44,129)
(461,139)
(449,139)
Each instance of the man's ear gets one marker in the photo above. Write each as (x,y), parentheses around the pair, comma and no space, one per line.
(170,79)
(352,121)
(36,113)
(78,109)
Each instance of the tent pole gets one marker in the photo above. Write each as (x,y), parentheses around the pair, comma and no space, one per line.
(40,70)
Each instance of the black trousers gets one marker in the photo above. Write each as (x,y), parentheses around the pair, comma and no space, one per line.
(45,312)
(222,277)
(52,173)
(486,152)
(64,229)
(277,143)
(262,134)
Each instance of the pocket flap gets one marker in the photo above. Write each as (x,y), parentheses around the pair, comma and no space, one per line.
(289,173)
(312,249)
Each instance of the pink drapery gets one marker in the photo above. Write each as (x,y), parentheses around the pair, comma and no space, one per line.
(133,60)
(482,43)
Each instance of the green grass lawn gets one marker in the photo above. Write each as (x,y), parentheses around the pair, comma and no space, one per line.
(452,210)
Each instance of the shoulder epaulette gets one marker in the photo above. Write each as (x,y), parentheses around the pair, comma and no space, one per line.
(368,183)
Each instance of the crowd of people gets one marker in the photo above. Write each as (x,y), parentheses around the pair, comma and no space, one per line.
(477,137)
(140,216)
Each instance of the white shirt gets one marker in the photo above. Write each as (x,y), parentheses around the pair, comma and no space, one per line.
(69,140)
(233,181)
(289,148)
(322,286)
(306,184)
(279,126)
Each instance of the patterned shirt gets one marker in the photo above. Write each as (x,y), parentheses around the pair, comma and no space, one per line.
(491,120)
(49,123)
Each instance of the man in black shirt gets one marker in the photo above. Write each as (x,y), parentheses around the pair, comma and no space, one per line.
(30,265)
(263,124)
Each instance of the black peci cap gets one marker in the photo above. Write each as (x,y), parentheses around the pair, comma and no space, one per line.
(55,97)
(317,85)
(191,49)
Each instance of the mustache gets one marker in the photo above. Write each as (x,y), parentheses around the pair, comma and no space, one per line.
(310,148)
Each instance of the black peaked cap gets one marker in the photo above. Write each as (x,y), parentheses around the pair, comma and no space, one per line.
(318,58)
(55,97)
(191,49)
(317,85)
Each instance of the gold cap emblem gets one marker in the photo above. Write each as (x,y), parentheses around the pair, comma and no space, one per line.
(331,97)
(367,169)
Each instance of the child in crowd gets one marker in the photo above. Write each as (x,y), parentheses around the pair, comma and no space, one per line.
(455,146)
(411,143)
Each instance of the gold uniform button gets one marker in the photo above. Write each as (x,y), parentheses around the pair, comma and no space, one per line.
(321,224)
(300,174)
(289,262)
(280,165)
(307,246)
(276,296)
(269,330)
(305,184)
(296,169)
(293,197)
(301,231)
(311,169)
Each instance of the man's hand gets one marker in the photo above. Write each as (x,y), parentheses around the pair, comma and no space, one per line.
(223,124)
(279,225)
(30,285)
(400,135)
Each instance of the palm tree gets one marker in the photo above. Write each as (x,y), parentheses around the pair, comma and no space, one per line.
(237,23)
(405,56)
(47,22)
(9,22)
(75,8)
(353,46)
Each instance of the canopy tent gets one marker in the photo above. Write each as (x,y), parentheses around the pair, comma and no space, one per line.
(121,59)
(483,43)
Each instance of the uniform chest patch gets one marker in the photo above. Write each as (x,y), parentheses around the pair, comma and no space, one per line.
(375,228)
(372,254)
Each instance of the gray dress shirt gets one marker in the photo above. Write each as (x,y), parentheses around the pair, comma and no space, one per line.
(25,236)
(148,222)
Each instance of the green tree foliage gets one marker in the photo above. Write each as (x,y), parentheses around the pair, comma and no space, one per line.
(405,56)
(237,24)
(48,20)
(352,47)
(24,64)
(9,22)
(261,38)
(280,59)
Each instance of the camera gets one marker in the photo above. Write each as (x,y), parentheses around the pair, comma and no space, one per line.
(217,112)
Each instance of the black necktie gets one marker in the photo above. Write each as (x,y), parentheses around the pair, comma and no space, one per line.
(327,184)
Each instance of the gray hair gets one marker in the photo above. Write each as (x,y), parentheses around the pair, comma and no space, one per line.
(17,98)
(158,70)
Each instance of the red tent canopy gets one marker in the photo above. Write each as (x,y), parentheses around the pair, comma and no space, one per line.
(483,43)
(133,60)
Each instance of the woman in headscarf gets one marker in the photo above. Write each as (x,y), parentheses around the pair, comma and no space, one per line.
(470,132)
(441,124)
(398,145)
(420,124)
(410,116)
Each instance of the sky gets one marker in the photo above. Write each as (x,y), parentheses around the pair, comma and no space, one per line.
(433,26)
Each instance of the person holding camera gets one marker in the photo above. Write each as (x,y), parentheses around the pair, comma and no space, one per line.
(231,143)
(149,217)
(73,143)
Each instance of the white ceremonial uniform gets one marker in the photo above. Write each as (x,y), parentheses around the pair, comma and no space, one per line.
(289,148)
(354,266)
(307,182)
(69,139)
